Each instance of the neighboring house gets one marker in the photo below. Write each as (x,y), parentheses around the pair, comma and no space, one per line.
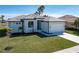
(35,23)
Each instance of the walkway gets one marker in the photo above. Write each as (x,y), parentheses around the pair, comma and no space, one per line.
(74,49)
(70,37)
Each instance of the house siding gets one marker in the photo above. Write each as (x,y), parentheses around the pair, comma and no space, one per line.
(44,27)
(56,28)
(15,26)
(48,27)
(30,30)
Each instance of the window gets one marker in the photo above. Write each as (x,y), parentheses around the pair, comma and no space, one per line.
(39,25)
(18,23)
(30,24)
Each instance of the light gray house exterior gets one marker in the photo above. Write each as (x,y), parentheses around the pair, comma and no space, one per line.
(46,25)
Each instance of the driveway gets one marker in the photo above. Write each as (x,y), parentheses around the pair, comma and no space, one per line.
(70,37)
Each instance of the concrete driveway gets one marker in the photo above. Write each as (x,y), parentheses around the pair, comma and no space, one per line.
(70,37)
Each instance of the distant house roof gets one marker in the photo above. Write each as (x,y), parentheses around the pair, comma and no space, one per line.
(33,16)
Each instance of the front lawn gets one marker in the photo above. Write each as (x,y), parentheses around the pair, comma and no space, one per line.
(72,31)
(33,43)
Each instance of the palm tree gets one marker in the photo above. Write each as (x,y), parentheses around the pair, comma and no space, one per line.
(77,23)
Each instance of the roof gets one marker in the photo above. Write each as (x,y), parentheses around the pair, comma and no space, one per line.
(49,18)
(33,16)
(30,16)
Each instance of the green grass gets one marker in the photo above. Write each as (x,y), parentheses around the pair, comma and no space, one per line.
(72,31)
(34,43)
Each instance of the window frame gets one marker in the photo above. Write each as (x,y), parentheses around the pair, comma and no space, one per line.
(30,24)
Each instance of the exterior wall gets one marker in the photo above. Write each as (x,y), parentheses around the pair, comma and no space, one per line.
(15,26)
(56,27)
(52,27)
(30,30)
(44,27)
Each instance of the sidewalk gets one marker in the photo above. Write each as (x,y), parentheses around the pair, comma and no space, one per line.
(70,37)
(74,49)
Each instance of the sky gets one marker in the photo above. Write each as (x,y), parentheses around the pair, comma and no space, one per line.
(53,10)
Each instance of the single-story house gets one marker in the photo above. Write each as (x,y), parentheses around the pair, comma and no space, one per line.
(46,25)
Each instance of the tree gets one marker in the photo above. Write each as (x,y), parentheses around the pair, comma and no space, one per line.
(77,23)
(40,10)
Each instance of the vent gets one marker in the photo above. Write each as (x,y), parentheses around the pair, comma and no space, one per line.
(45,15)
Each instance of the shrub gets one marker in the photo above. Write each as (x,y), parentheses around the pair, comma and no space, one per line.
(3,31)
(70,28)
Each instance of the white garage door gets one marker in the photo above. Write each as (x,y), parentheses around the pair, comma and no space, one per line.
(56,26)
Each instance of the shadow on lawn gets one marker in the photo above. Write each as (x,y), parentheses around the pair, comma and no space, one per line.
(28,34)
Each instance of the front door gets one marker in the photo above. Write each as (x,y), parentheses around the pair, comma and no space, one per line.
(38,25)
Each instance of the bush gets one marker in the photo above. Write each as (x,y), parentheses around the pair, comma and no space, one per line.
(3,31)
(70,28)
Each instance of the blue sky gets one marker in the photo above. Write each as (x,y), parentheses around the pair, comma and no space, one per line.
(54,10)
